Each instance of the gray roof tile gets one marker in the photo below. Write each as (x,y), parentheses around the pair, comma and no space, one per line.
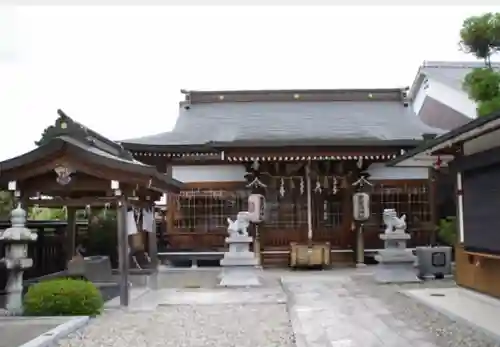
(451,73)
(340,120)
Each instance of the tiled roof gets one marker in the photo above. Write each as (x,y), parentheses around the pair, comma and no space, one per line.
(376,115)
(451,73)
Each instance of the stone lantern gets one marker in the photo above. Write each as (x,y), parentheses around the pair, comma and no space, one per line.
(15,240)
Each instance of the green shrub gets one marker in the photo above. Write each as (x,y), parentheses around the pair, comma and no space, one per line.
(448,230)
(63,297)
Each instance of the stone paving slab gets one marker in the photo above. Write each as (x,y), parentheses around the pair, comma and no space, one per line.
(16,331)
(473,308)
(329,313)
(347,308)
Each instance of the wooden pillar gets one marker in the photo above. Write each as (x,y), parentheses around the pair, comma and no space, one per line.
(123,258)
(433,182)
(309,203)
(347,239)
(460,207)
(70,233)
(170,215)
(152,242)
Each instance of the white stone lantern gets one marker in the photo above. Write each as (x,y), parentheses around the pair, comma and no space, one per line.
(15,240)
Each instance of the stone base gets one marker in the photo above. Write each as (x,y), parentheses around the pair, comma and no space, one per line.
(396,272)
(239,276)
(239,259)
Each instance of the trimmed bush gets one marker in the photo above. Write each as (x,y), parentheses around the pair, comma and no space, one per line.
(63,297)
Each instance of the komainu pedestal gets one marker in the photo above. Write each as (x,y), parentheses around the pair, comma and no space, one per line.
(395,262)
(239,265)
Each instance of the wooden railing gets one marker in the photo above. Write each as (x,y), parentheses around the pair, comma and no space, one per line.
(281,238)
(195,241)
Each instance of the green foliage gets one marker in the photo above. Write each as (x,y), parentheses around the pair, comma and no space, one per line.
(448,230)
(480,35)
(45,213)
(482,84)
(488,107)
(5,204)
(63,297)
(102,237)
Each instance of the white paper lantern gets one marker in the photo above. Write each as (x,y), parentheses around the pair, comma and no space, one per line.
(361,206)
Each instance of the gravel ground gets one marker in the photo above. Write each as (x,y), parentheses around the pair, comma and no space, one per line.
(261,324)
(445,331)
(189,326)
(170,317)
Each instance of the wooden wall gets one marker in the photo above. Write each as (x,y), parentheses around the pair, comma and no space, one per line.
(477,272)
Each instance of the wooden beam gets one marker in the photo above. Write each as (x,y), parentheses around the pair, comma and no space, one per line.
(48,183)
(215,185)
(82,202)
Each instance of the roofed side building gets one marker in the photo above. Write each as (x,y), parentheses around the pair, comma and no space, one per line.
(226,144)
(471,155)
(437,94)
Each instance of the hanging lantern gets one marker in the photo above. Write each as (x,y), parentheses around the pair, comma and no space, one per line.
(361,206)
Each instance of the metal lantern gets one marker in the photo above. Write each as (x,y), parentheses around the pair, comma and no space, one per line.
(361,206)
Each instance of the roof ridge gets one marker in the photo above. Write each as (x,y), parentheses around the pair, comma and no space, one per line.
(457,64)
(296,90)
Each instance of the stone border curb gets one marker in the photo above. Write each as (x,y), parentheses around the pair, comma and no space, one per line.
(49,338)
(453,316)
(300,340)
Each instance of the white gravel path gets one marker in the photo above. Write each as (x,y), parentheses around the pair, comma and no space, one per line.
(253,325)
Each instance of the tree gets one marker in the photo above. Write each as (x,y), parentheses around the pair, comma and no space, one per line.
(480,35)
(5,204)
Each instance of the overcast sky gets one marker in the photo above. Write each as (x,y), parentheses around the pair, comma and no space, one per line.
(118,70)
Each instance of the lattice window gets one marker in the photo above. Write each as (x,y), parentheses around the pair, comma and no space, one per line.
(205,210)
(332,210)
(412,200)
(288,211)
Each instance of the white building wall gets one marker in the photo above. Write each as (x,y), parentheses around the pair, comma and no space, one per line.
(236,173)
(209,173)
(455,99)
(418,100)
(379,171)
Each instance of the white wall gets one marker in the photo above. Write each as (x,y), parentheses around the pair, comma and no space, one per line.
(379,171)
(482,143)
(451,97)
(236,173)
(418,100)
(209,173)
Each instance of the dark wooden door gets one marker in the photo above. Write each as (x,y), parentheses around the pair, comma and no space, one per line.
(329,217)
(481,195)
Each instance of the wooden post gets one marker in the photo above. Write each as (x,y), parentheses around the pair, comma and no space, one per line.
(153,251)
(309,204)
(170,213)
(123,258)
(71,233)
(256,244)
(460,207)
(433,177)
(152,242)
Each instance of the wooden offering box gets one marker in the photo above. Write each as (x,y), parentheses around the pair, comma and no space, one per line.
(309,255)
